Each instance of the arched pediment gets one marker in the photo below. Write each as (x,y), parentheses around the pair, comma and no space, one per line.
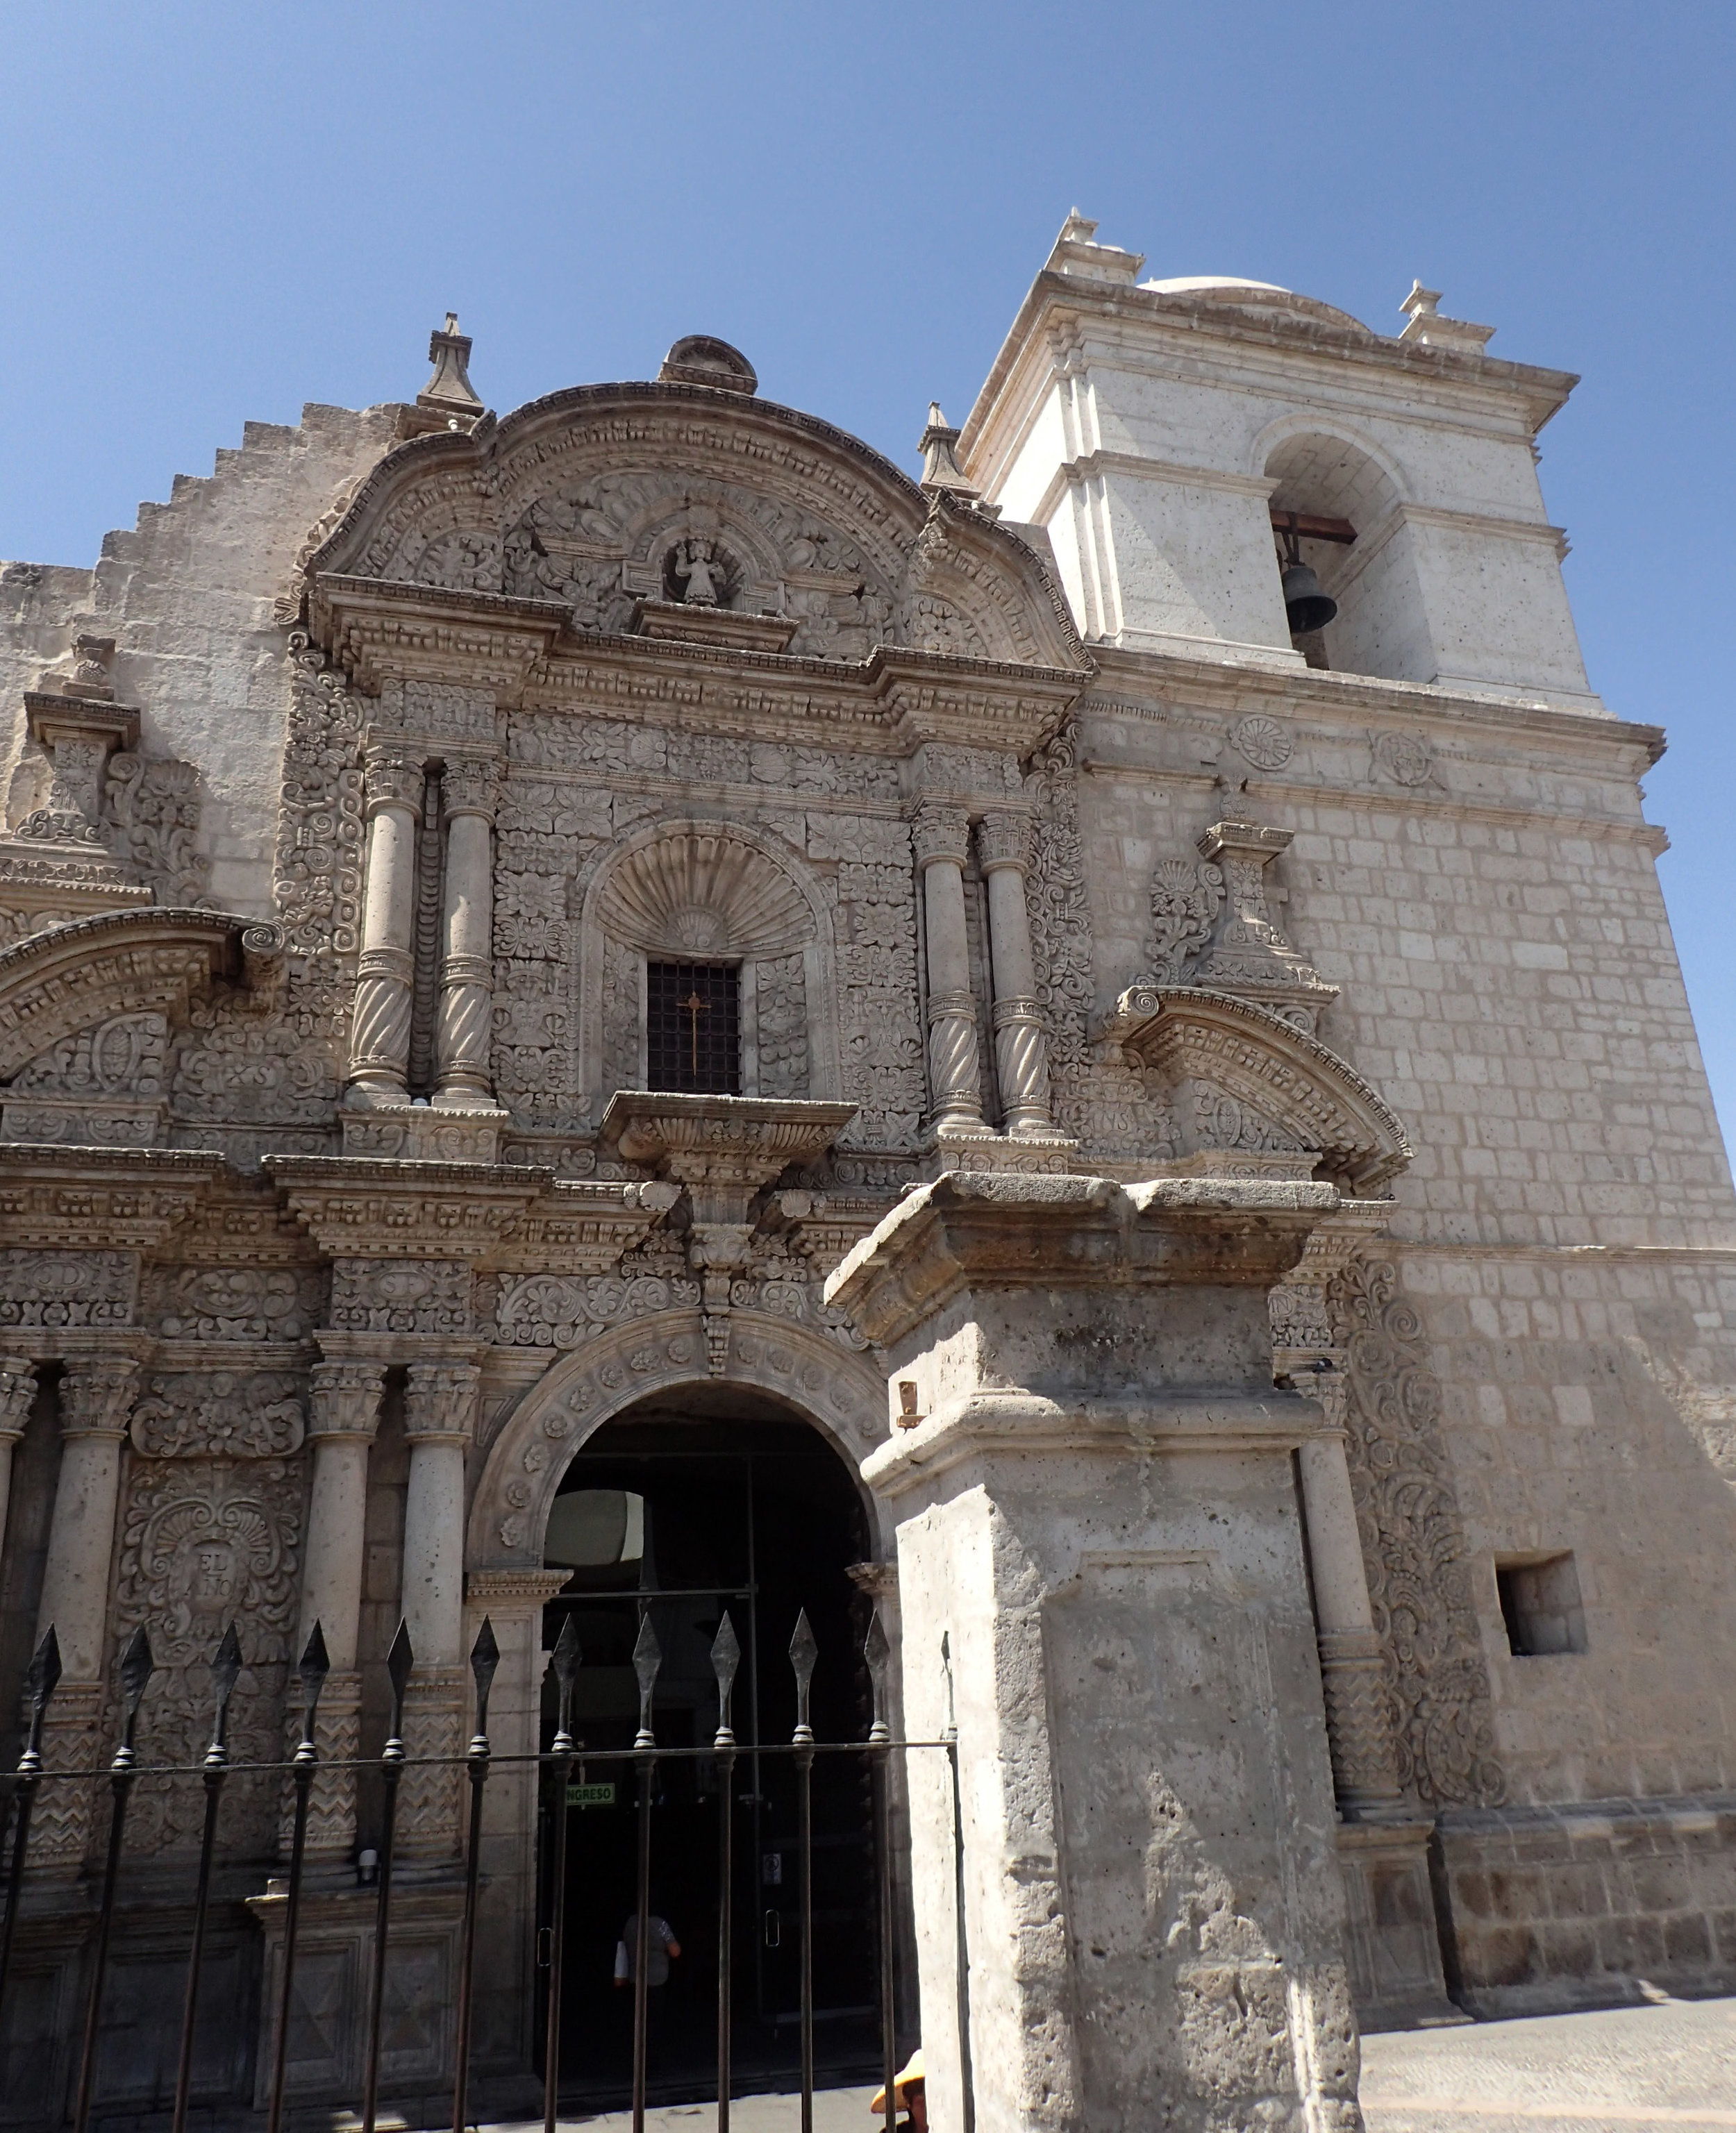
(809,1372)
(603,497)
(72,978)
(1243,1079)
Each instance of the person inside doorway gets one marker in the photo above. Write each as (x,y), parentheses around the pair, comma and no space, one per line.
(910,2094)
(659,1938)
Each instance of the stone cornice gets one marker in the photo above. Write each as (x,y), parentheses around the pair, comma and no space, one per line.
(99,1199)
(380,630)
(362,1207)
(1209,686)
(1054,300)
(1012,1232)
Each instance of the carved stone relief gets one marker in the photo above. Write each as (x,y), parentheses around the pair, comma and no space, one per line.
(1413,1544)
(151,812)
(401,1296)
(54,1289)
(204,1543)
(233,1303)
(218,1414)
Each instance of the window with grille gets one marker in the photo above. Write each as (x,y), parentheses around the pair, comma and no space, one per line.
(693,1027)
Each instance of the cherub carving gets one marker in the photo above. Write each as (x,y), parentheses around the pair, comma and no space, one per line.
(697,567)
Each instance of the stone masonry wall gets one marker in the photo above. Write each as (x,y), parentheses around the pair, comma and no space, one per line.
(188,594)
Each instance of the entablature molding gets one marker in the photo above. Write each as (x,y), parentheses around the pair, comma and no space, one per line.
(110,1201)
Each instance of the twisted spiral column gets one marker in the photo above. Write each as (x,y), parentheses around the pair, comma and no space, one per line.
(942,836)
(1021,1043)
(379,1035)
(467,969)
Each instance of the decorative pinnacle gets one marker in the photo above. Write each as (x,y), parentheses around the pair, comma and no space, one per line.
(877,1652)
(449,390)
(804,1653)
(484,1658)
(726,1657)
(940,466)
(648,1657)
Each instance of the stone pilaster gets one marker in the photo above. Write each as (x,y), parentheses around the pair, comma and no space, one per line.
(97,1392)
(1021,1043)
(942,836)
(469,792)
(17,1393)
(1102,1579)
(440,1410)
(379,1040)
(344,1418)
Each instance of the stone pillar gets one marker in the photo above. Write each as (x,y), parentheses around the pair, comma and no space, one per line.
(467,947)
(942,836)
(17,1393)
(1103,1584)
(1021,1045)
(97,1392)
(1365,1769)
(380,1041)
(345,1415)
(439,1409)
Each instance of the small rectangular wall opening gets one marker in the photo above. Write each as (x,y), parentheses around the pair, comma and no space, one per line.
(1540,1604)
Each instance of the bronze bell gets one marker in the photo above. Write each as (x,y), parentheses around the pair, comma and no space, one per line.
(1305,605)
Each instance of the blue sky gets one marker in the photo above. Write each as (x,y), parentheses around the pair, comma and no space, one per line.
(214,213)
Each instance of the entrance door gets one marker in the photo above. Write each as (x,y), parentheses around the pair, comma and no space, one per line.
(678,1515)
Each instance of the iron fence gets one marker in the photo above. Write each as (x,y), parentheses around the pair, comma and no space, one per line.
(643,1758)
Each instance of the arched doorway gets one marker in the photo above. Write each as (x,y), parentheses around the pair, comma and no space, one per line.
(688,1504)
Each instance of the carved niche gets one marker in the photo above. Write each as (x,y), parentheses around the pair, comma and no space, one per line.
(702,892)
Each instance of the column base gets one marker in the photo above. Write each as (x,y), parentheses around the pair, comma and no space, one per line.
(977,1148)
(442,1131)
(1393,1942)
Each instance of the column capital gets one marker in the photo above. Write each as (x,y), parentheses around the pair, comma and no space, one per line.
(1004,840)
(18,1390)
(940,831)
(440,1404)
(394,780)
(470,788)
(346,1399)
(97,1392)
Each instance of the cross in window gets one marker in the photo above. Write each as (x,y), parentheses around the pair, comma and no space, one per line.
(695,1007)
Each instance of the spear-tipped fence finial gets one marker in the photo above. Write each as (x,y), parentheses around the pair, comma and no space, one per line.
(877,1654)
(40,1682)
(400,1663)
(648,1658)
(137,1666)
(563,1663)
(226,1665)
(311,1671)
(803,1653)
(484,1658)
(726,1657)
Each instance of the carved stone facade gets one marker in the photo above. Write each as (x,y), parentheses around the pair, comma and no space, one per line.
(338,1212)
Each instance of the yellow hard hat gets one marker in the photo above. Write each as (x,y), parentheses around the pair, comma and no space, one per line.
(908,2074)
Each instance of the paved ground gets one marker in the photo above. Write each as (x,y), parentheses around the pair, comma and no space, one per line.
(1630,2070)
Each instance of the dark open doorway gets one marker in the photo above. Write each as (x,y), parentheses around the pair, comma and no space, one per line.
(681,1510)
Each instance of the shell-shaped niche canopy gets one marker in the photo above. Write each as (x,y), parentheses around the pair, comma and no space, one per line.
(702,894)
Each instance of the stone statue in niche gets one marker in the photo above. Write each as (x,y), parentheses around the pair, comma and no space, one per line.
(699,574)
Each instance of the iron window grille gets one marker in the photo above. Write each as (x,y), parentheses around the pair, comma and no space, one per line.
(693,1027)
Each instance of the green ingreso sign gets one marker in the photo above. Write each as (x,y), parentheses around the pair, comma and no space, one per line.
(590,1796)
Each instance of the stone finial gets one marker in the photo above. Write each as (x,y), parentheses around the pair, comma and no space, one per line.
(1426,328)
(449,390)
(93,670)
(702,360)
(1077,251)
(937,446)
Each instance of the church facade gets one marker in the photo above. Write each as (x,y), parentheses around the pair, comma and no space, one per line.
(1095,1031)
